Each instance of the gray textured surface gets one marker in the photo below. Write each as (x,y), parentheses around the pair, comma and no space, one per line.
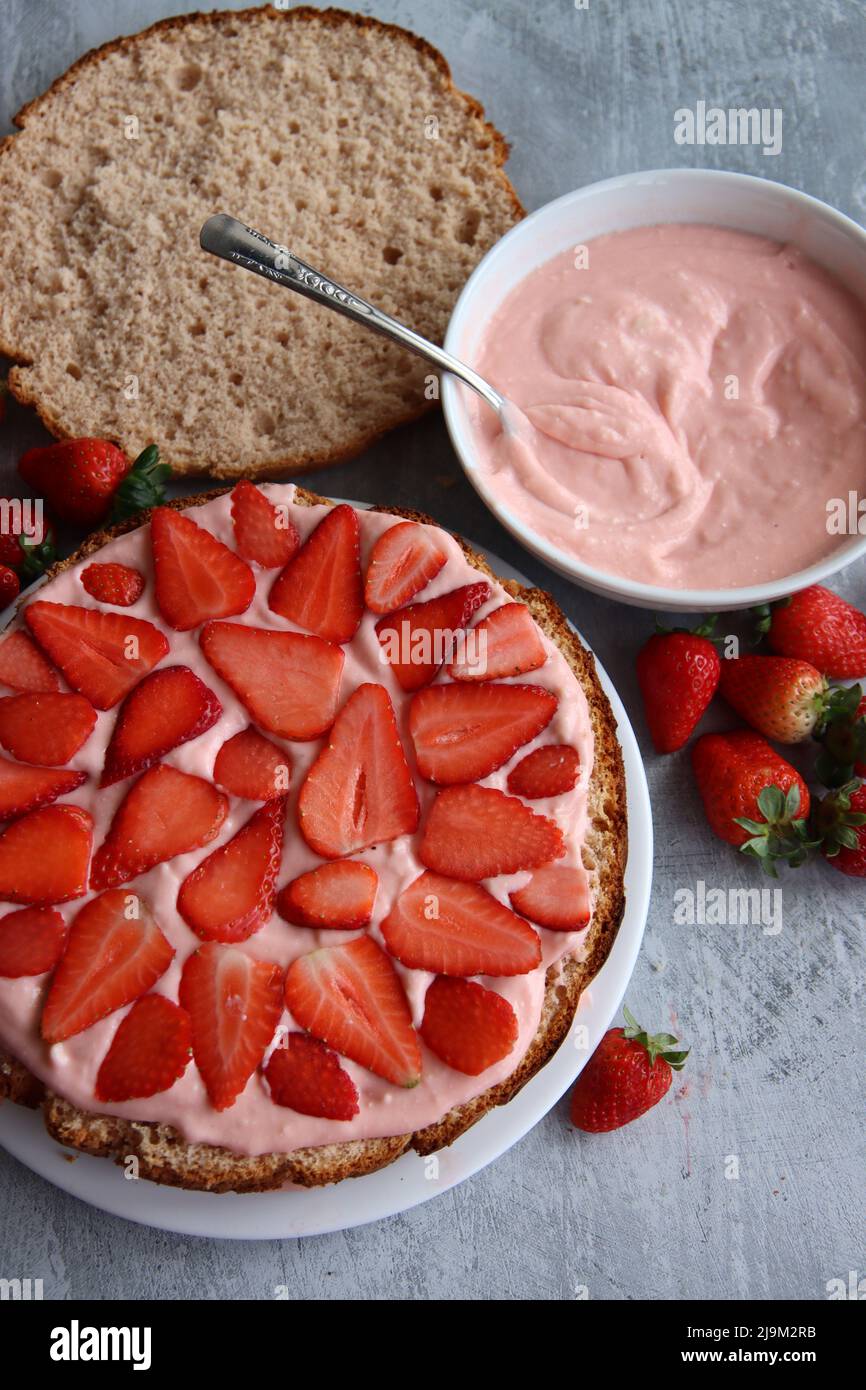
(774,1076)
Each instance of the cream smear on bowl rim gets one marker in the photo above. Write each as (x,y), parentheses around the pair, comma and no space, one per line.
(698,396)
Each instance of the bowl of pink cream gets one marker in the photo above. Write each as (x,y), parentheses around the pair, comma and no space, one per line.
(686,350)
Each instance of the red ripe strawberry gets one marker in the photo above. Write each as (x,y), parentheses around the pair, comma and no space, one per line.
(505,643)
(115,953)
(10,586)
(234,1003)
(478,832)
(340,895)
(462,733)
(453,928)
(230,894)
(840,821)
(149,1052)
(359,791)
(555,897)
(167,708)
(250,766)
(23,789)
(303,1075)
(677,673)
(402,562)
(752,797)
(418,639)
(263,533)
(320,588)
(28,544)
(164,813)
(23,667)
(44,856)
(550,770)
(351,998)
(102,655)
(196,577)
(45,728)
(290,683)
(627,1075)
(781,698)
(86,479)
(818,626)
(468,1027)
(31,941)
(117,584)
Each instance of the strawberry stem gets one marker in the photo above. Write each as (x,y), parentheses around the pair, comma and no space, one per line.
(782,834)
(656,1045)
(834,823)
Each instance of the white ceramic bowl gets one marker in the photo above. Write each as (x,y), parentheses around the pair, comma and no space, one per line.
(639,200)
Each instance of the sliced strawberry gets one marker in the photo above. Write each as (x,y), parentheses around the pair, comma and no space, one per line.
(290,683)
(418,639)
(468,1027)
(403,561)
(263,533)
(235,1003)
(115,953)
(45,727)
(229,895)
(249,765)
(31,941)
(453,928)
(304,1076)
(340,895)
(149,1052)
(505,643)
(555,897)
(23,667)
(548,771)
(102,655)
(168,708)
(44,856)
(110,583)
(462,733)
(320,588)
(359,791)
(22,788)
(351,998)
(164,813)
(197,577)
(478,832)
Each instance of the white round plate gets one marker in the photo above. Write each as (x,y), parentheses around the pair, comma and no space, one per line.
(405,1184)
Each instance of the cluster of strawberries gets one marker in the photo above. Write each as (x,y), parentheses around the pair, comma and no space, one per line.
(753,797)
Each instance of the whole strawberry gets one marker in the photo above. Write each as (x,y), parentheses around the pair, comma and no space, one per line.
(782,698)
(27,541)
(840,820)
(627,1075)
(818,626)
(677,673)
(10,586)
(86,480)
(752,797)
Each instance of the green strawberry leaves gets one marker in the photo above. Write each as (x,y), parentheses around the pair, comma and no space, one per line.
(782,834)
(142,488)
(835,823)
(656,1045)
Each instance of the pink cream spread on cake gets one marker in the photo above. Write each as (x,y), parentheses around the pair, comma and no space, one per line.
(254,1123)
(698,395)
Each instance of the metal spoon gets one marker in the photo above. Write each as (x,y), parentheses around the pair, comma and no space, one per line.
(224,236)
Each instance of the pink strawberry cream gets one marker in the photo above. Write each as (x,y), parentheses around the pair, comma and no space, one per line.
(255,1124)
(697,394)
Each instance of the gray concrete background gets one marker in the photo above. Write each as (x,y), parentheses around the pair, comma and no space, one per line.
(774,1078)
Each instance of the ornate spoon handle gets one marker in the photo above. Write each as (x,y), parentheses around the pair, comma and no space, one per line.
(224,236)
